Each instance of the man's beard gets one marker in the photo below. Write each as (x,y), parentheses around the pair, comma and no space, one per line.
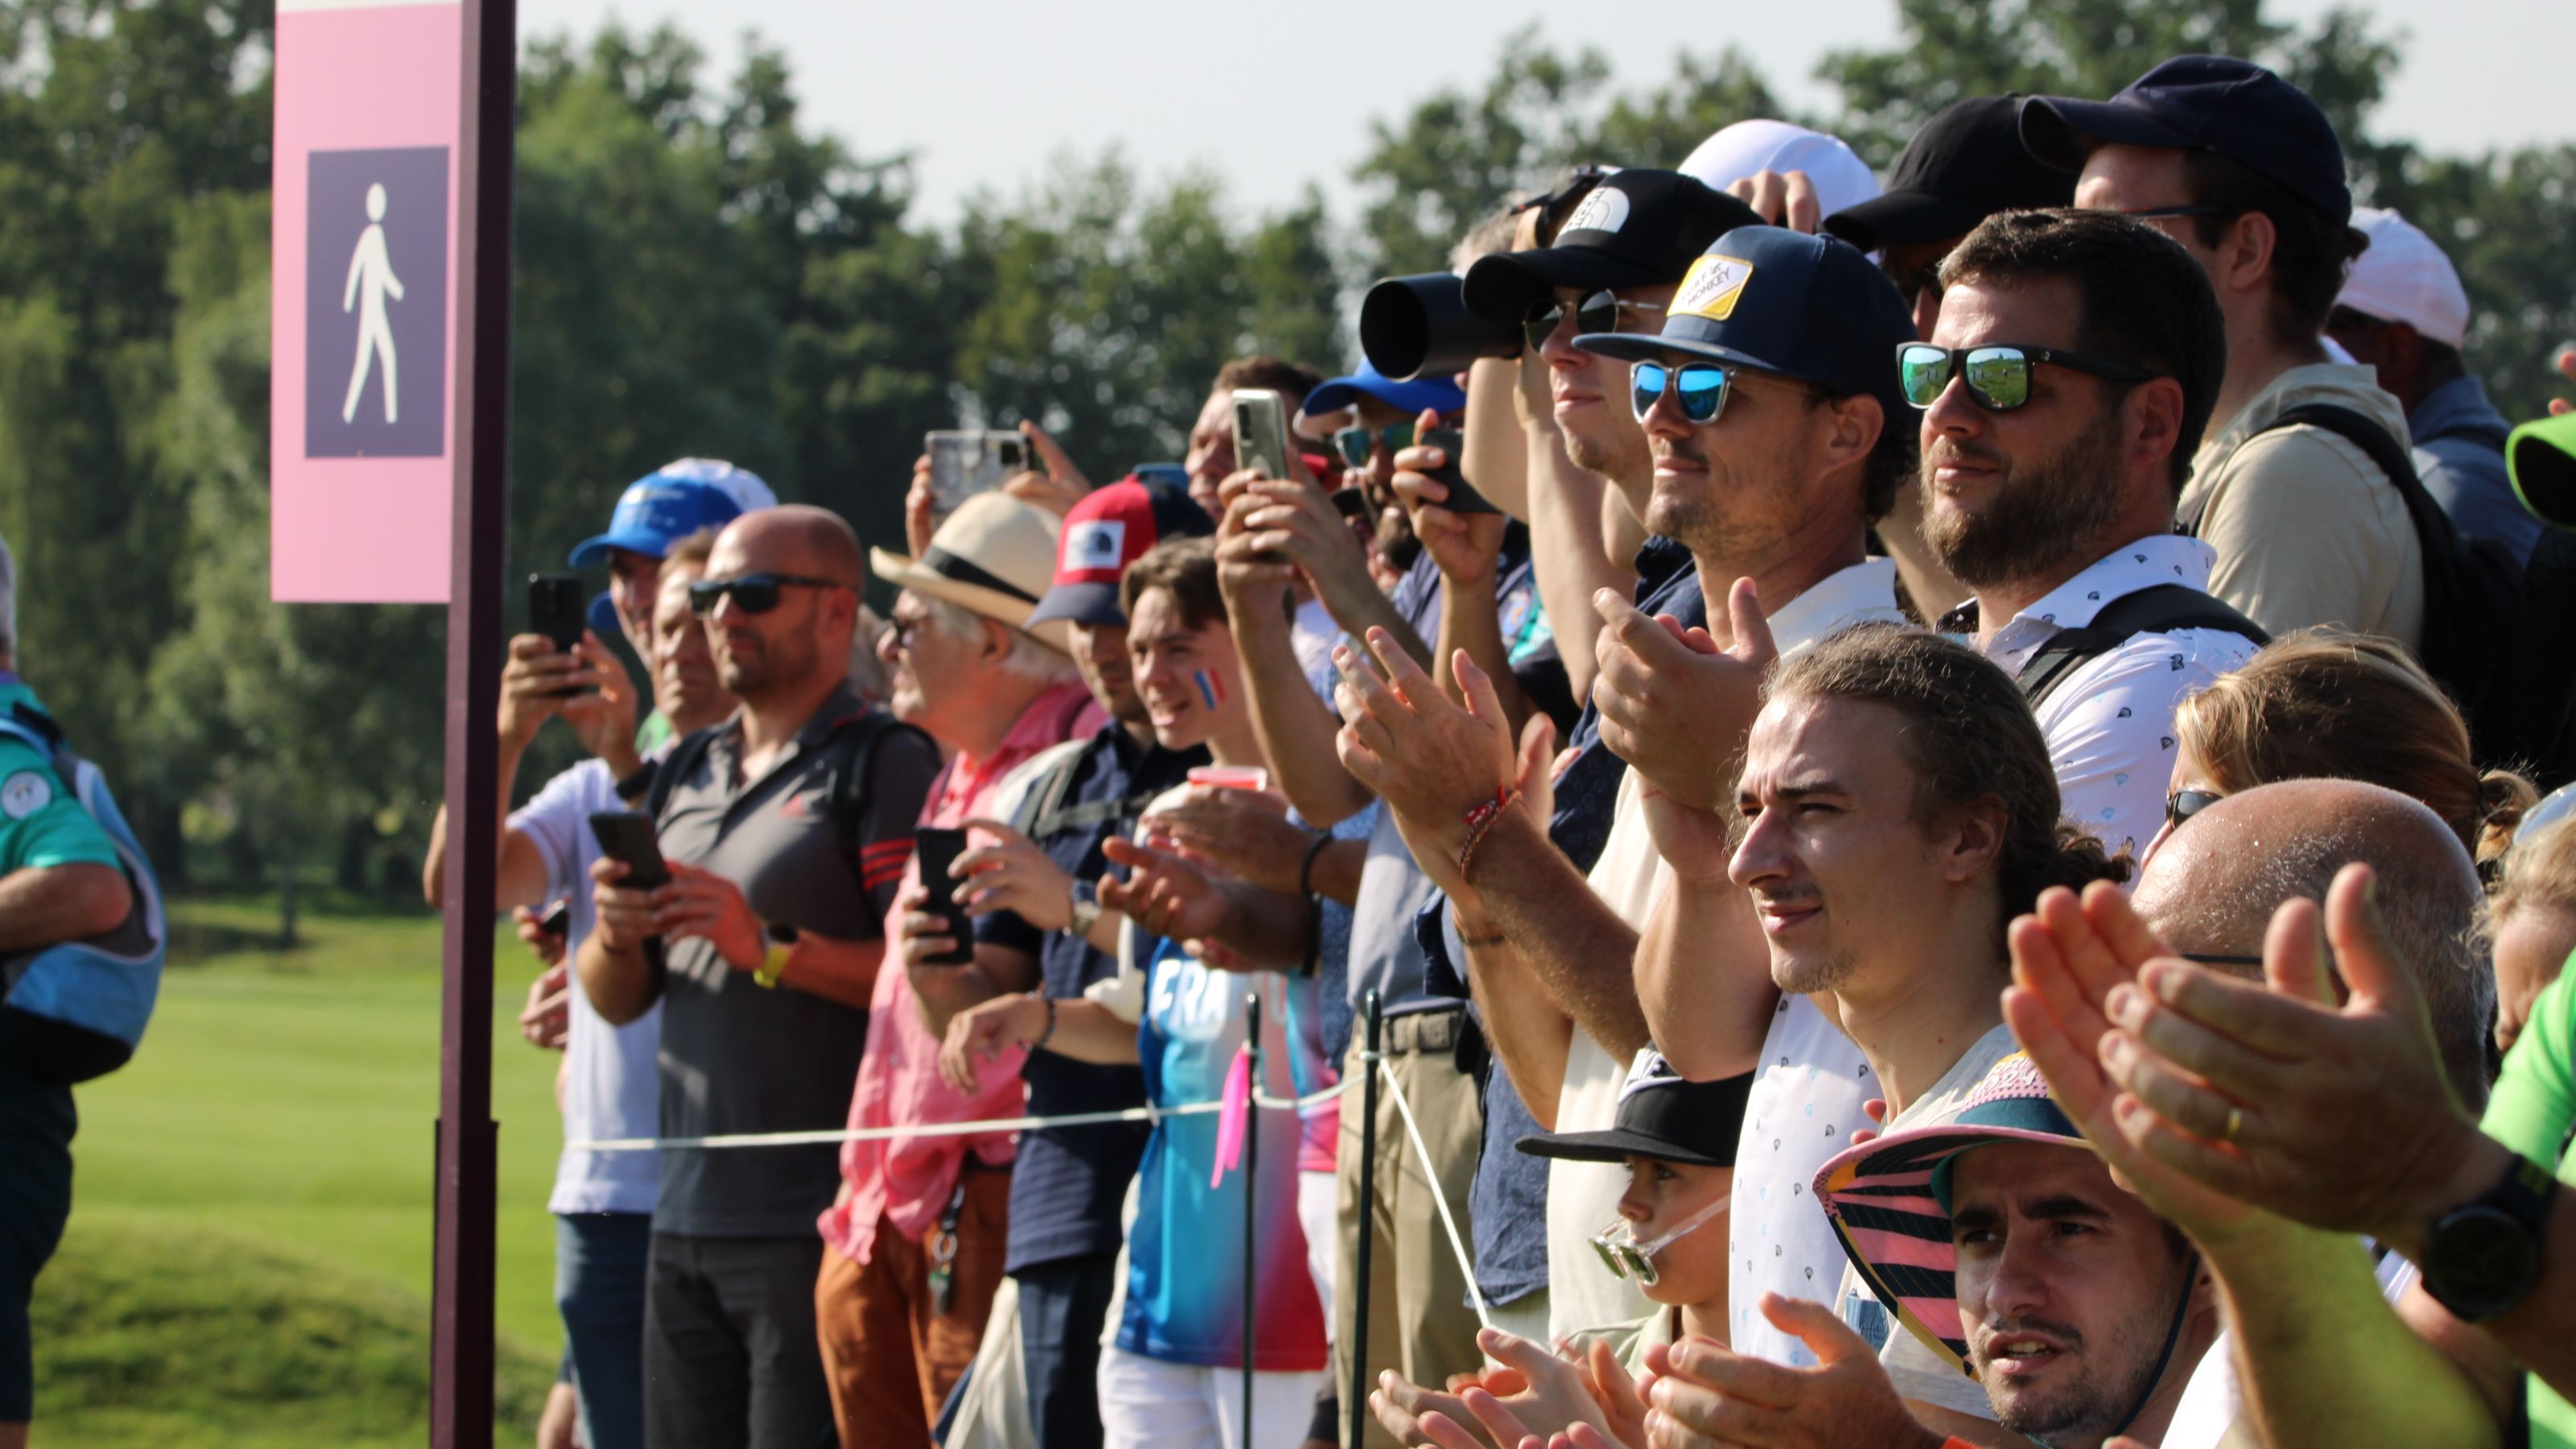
(2089,1409)
(2048,514)
(775,661)
(1620,457)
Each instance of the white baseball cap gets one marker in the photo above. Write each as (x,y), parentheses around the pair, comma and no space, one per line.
(2404,277)
(1749,148)
(740,484)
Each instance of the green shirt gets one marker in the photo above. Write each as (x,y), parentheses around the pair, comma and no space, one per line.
(652,734)
(41,821)
(2531,1111)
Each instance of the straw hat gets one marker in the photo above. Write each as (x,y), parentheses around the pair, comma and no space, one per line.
(995,556)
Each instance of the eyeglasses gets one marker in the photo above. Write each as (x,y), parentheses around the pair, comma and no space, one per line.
(900,631)
(1357,445)
(1701,386)
(1596,313)
(2181,805)
(753,593)
(1997,374)
(1625,1257)
(2160,213)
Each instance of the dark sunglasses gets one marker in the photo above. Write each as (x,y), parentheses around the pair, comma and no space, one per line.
(1702,388)
(754,593)
(1997,374)
(2181,805)
(1357,445)
(1596,313)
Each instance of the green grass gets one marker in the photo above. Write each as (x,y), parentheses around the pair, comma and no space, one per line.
(271,1146)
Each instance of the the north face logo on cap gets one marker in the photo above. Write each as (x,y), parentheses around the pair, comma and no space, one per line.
(1098,544)
(1712,288)
(1605,209)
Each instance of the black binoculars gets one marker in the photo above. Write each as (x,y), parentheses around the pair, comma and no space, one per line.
(1419,327)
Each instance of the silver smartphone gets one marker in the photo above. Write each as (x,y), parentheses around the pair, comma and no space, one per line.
(963,464)
(1261,431)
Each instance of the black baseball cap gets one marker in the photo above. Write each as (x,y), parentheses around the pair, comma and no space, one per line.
(1806,307)
(1967,163)
(2216,103)
(1636,229)
(1662,1115)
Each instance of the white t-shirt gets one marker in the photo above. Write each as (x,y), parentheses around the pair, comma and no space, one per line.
(1808,1097)
(612,1086)
(1920,1373)
(1631,878)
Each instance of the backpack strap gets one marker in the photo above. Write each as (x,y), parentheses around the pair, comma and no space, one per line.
(2163,609)
(2383,451)
(854,746)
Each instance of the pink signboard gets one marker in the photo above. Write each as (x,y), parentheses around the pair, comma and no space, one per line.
(362,323)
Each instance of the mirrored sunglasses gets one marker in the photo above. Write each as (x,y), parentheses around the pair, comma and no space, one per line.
(1357,445)
(1702,388)
(1625,1257)
(2181,805)
(1997,374)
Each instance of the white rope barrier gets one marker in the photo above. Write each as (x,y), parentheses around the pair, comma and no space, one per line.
(1439,1199)
(834,1136)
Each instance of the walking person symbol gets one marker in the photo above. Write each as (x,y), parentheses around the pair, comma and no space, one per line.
(371,279)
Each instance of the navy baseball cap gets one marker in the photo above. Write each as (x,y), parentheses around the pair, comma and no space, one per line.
(1109,529)
(1439,394)
(2215,103)
(1636,229)
(1811,308)
(1967,163)
(655,512)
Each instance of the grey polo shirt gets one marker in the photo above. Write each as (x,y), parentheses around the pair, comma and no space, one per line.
(738,1057)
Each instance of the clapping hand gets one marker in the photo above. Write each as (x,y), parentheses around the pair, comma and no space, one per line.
(1674,705)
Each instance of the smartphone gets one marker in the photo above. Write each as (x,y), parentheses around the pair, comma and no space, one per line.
(629,838)
(963,464)
(1463,497)
(558,922)
(1261,431)
(556,609)
(939,847)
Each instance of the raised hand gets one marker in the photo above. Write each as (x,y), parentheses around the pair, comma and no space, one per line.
(1056,484)
(1674,705)
(1465,547)
(1709,1395)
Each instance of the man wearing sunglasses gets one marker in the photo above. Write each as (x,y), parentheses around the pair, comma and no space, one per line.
(2243,170)
(786,831)
(2075,363)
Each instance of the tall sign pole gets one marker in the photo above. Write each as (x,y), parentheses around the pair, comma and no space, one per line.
(461,1368)
(389,418)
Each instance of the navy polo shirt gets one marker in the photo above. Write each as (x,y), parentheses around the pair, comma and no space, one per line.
(1068,1184)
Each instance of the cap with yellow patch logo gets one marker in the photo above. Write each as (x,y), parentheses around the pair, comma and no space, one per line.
(1805,307)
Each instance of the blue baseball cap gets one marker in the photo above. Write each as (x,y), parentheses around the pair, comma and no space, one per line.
(1811,308)
(1439,394)
(655,512)
(2215,103)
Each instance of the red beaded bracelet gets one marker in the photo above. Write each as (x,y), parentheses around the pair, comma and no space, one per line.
(1480,821)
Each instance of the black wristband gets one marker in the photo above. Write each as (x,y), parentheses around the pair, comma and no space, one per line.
(1306,867)
(1314,905)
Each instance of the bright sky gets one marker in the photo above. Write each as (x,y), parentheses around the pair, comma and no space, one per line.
(987,103)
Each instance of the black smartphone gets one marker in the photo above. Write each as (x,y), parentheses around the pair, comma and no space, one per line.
(556,610)
(558,922)
(938,848)
(628,837)
(1463,497)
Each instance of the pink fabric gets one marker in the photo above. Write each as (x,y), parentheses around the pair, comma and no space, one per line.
(908,1180)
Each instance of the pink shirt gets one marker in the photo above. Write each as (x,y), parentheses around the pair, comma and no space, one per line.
(910,1179)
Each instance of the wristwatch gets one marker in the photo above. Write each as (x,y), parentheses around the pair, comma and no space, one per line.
(1084,898)
(780,942)
(2482,1258)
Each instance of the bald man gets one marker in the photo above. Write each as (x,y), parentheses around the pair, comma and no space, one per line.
(785,830)
(2209,892)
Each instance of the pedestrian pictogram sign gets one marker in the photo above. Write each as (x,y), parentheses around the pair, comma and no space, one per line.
(362,468)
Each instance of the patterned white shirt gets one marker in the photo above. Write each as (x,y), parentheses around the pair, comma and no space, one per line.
(2110,723)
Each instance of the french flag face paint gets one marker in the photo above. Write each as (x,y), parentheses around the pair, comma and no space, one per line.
(1211,689)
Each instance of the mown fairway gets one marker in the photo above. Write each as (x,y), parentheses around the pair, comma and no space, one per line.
(249,1255)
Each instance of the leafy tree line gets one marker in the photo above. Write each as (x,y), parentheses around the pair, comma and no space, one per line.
(699,271)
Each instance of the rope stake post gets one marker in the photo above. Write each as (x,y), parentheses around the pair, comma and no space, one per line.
(1356,1405)
(1251,1203)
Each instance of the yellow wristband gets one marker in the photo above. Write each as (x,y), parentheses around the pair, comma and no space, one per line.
(773,967)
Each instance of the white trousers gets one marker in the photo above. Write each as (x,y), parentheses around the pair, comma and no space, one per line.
(1146,1403)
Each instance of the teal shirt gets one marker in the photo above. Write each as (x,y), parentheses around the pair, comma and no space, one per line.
(41,822)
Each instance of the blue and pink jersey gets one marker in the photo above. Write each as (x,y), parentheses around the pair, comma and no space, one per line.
(1185,1251)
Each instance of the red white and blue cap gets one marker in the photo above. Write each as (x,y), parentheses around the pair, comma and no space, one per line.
(1889,1199)
(1108,530)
